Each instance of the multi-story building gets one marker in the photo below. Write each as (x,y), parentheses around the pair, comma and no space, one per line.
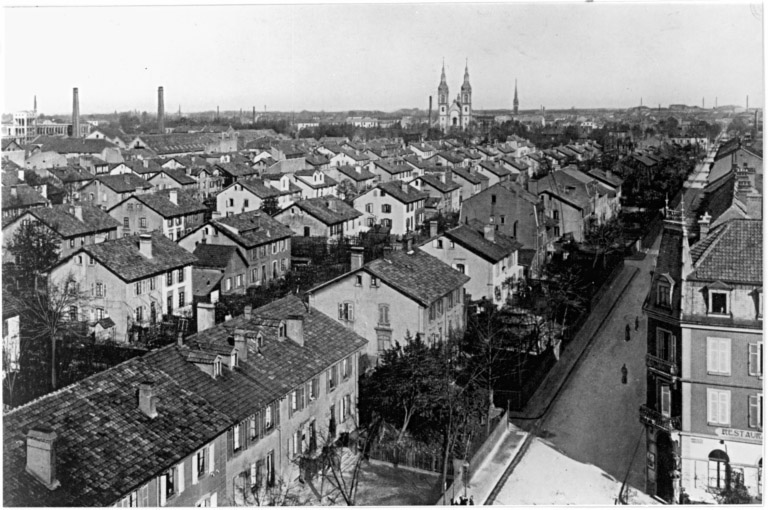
(262,241)
(18,198)
(314,183)
(286,378)
(173,212)
(518,214)
(394,205)
(440,187)
(404,293)
(106,191)
(489,258)
(328,217)
(132,281)
(471,182)
(704,407)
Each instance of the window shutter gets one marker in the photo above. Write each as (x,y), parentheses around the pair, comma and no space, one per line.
(351,312)
(194,466)
(180,477)
(211,458)
(725,353)
(230,444)
(341,311)
(276,414)
(754,359)
(247,433)
(666,401)
(243,434)
(673,349)
(291,397)
(290,443)
(712,355)
(162,490)
(754,410)
(725,408)
(259,424)
(328,382)
(214,499)
(712,406)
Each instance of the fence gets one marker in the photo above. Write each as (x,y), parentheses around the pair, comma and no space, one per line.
(410,456)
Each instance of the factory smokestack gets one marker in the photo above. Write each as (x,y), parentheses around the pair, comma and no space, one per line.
(160,110)
(429,121)
(254,115)
(75,113)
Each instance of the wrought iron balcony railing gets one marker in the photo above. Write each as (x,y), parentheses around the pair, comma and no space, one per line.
(661,365)
(654,418)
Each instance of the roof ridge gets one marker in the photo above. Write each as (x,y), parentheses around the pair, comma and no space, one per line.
(708,250)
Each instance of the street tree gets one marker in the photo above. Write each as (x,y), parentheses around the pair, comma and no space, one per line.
(34,248)
(270,206)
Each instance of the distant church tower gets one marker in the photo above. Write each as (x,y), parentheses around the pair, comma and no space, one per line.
(457,114)
(515,102)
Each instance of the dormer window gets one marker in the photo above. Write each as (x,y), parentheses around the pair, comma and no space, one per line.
(259,340)
(281,330)
(663,291)
(719,299)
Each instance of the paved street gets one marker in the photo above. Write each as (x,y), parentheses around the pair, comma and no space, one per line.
(595,418)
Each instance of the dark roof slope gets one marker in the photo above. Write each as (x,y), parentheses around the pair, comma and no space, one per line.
(25,196)
(475,241)
(329,210)
(160,202)
(72,145)
(124,183)
(214,255)
(253,228)
(106,446)
(395,189)
(435,182)
(417,274)
(61,219)
(733,253)
(122,256)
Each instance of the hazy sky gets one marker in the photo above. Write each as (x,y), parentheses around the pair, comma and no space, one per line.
(380,56)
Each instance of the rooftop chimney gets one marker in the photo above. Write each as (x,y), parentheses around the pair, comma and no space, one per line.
(404,186)
(41,456)
(408,243)
(160,110)
(241,344)
(145,245)
(247,312)
(357,257)
(78,212)
(489,233)
(206,316)
(173,196)
(295,328)
(75,113)
(147,399)
(433,228)
(704,222)
(14,191)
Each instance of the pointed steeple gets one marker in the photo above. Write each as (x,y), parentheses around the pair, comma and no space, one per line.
(442,89)
(35,103)
(466,88)
(515,102)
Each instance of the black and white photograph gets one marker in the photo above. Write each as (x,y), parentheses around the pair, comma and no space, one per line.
(382,254)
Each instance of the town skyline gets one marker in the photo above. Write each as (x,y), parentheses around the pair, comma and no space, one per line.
(352,61)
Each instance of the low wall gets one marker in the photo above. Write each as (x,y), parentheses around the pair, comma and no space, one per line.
(457,486)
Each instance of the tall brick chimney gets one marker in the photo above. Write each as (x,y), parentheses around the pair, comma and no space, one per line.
(41,456)
(160,110)
(75,113)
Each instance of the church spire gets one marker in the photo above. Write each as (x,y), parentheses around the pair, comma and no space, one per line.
(466,73)
(466,88)
(515,102)
(442,76)
(442,89)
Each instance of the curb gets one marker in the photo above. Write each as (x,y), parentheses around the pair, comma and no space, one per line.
(524,416)
(517,456)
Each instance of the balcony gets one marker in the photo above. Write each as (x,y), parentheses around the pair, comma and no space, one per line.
(661,365)
(650,417)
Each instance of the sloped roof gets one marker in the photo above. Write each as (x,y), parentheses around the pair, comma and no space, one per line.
(258,188)
(26,196)
(204,281)
(214,255)
(180,142)
(122,256)
(268,373)
(495,168)
(435,182)
(71,174)
(352,173)
(61,219)
(395,189)
(160,202)
(72,145)
(732,253)
(475,241)
(124,183)
(417,274)
(179,176)
(253,228)
(106,446)
(329,210)
(306,177)
(472,178)
(601,175)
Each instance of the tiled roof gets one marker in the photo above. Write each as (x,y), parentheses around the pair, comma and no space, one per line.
(258,188)
(106,446)
(125,183)
(160,202)
(253,228)
(329,210)
(415,161)
(392,167)
(519,165)
(71,174)
(269,372)
(72,145)
(603,176)
(452,157)
(292,188)
(395,189)
(732,253)
(306,176)
(205,280)
(495,168)
(519,191)
(178,142)
(214,255)
(357,157)
(61,219)
(179,176)
(417,274)
(26,196)
(122,256)
(352,173)
(472,178)
(567,187)
(317,160)
(435,182)
(475,241)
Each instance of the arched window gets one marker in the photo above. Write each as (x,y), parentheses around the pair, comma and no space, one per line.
(718,469)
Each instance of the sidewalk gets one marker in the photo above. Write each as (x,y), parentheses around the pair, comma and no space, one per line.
(553,382)
(485,478)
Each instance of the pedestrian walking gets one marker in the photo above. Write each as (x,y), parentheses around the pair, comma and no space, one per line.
(637,322)
(627,331)
(624,373)
(471,500)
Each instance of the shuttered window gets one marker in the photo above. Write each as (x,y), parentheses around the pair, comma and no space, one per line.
(756,411)
(756,359)
(719,356)
(718,407)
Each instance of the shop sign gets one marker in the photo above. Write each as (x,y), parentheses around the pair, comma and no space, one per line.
(752,436)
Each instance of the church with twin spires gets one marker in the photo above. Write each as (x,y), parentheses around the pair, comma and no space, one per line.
(458,113)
